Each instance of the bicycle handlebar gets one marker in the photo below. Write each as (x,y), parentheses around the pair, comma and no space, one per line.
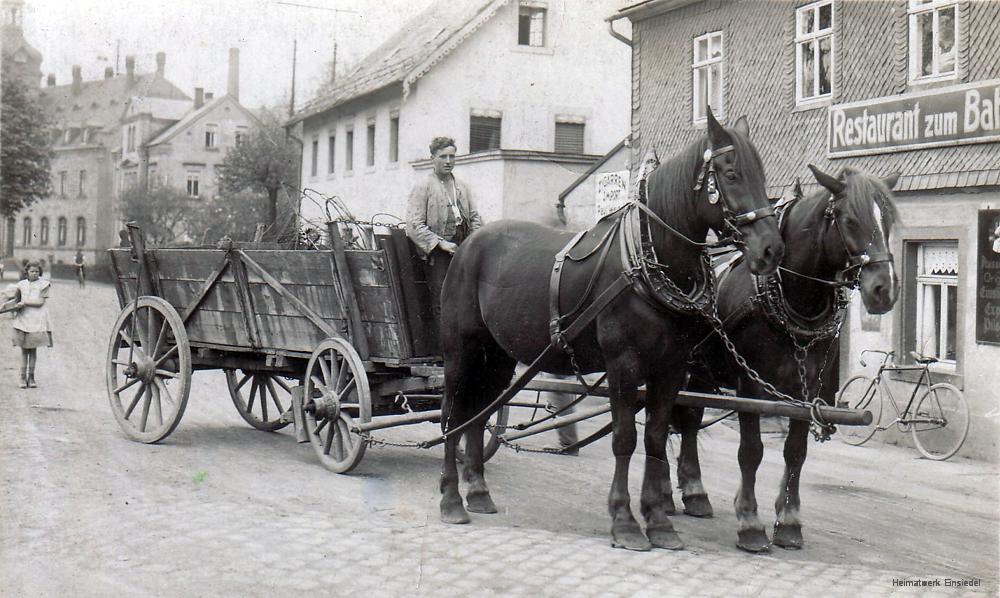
(888,355)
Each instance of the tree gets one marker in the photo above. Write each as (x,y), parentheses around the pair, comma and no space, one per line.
(164,214)
(25,148)
(264,161)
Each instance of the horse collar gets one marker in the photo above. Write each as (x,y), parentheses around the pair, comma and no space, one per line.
(771,298)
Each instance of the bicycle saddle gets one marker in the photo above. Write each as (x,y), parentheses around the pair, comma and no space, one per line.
(923,359)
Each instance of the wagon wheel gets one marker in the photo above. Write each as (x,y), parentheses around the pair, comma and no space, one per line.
(268,397)
(149,370)
(336,397)
(491,437)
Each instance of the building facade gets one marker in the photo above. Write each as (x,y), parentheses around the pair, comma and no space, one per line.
(907,86)
(502,77)
(82,212)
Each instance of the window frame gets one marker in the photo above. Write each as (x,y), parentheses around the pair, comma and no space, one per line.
(905,243)
(26,226)
(82,192)
(62,184)
(62,226)
(193,184)
(697,67)
(533,9)
(211,136)
(331,153)
(915,8)
(943,282)
(815,37)
(486,115)
(314,157)
(573,122)
(370,133)
(349,150)
(393,137)
(43,231)
(81,231)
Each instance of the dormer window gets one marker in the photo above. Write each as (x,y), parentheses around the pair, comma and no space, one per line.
(531,24)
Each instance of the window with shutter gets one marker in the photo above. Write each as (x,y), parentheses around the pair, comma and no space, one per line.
(569,138)
(484,133)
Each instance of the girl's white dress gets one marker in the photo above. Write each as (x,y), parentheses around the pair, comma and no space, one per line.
(31,324)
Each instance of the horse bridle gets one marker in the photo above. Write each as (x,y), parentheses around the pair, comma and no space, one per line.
(855,261)
(708,177)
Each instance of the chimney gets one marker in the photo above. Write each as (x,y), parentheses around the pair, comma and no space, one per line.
(51,81)
(109,72)
(130,69)
(233,88)
(77,79)
(161,63)
(199,97)
(209,96)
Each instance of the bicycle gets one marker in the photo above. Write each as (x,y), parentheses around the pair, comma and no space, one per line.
(939,421)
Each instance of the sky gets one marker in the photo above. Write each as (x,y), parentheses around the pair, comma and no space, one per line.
(196,36)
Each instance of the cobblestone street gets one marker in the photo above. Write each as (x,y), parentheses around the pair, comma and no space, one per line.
(221,509)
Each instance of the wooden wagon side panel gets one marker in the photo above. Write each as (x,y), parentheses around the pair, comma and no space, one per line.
(378,304)
(306,277)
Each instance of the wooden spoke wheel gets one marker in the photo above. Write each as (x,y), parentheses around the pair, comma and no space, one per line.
(335,398)
(491,436)
(260,397)
(149,370)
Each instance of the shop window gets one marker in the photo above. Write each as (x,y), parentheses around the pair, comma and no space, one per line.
(26,232)
(484,133)
(933,44)
(813,51)
(61,232)
(569,137)
(933,303)
(81,231)
(531,24)
(43,231)
(707,73)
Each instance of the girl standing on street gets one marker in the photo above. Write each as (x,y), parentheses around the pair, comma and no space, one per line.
(31,322)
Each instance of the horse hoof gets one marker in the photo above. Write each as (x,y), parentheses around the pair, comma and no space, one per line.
(454,514)
(788,537)
(481,503)
(753,540)
(630,540)
(665,538)
(697,505)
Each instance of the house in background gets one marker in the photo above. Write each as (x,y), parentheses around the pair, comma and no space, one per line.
(81,214)
(534,93)
(181,145)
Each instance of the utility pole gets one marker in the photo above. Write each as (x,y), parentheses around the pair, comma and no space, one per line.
(295,44)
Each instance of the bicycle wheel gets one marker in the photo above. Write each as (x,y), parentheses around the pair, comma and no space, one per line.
(860,392)
(940,422)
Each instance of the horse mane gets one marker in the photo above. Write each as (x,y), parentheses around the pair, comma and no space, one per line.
(861,188)
(671,185)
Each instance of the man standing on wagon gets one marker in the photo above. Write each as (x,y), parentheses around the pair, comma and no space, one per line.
(440,215)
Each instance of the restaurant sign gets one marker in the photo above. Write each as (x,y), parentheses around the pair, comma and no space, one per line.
(942,117)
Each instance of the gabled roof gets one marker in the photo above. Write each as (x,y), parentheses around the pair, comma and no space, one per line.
(409,53)
(101,102)
(191,117)
(158,108)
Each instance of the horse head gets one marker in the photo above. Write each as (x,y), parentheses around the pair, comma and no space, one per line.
(732,178)
(861,214)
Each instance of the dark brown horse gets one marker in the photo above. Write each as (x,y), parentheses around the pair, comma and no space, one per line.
(496,312)
(789,320)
